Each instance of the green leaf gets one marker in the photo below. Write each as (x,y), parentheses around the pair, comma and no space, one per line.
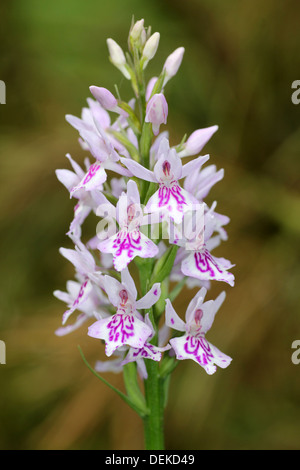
(164,265)
(141,411)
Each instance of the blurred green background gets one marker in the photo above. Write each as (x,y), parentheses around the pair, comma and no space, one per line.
(241,59)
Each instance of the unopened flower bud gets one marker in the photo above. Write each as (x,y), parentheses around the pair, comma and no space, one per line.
(106,99)
(150,49)
(197,140)
(117,57)
(137,30)
(172,63)
(157,112)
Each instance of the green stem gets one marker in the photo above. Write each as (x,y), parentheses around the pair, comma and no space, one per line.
(154,421)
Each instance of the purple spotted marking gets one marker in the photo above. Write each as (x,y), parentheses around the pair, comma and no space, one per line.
(121,328)
(199,348)
(91,173)
(166,193)
(205,263)
(127,241)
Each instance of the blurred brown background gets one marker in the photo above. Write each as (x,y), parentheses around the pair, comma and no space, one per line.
(241,59)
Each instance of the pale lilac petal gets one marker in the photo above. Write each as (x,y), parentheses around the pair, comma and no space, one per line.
(150,86)
(193,165)
(99,114)
(112,288)
(206,183)
(142,370)
(117,168)
(154,151)
(138,170)
(150,298)
(81,211)
(63,296)
(65,330)
(82,260)
(195,303)
(95,144)
(82,296)
(78,123)
(209,311)
(128,283)
(94,179)
(77,169)
(67,178)
(172,319)
(109,366)
(118,185)
(133,192)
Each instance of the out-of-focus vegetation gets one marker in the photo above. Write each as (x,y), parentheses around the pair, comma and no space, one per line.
(241,59)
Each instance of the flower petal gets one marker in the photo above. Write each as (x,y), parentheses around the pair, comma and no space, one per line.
(204,266)
(65,330)
(120,329)
(84,292)
(128,283)
(200,351)
(150,298)
(93,179)
(138,170)
(172,319)
(193,165)
(171,201)
(112,288)
(126,245)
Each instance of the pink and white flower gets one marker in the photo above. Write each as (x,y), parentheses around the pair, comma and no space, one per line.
(88,274)
(128,242)
(193,345)
(199,263)
(170,200)
(87,200)
(126,326)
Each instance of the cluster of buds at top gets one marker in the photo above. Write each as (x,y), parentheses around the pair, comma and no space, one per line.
(152,215)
